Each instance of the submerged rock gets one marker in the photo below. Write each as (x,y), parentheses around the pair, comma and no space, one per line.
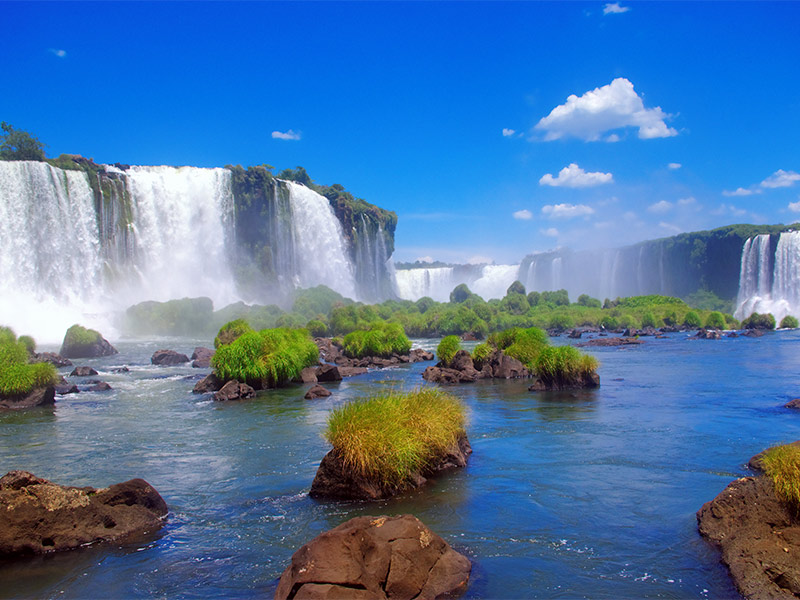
(83,372)
(376,558)
(708,334)
(37,516)
(317,391)
(233,390)
(168,357)
(101,386)
(758,535)
(611,341)
(336,480)
(64,389)
(36,397)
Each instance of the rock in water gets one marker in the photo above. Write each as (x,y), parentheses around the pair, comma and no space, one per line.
(168,357)
(209,383)
(37,516)
(54,359)
(80,342)
(376,558)
(201,357)
(233,390)
(83,372)
(37,397)
(317,391)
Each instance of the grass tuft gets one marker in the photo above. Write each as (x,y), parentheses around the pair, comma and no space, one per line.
(231,331)
(381,339)
(782,465)
(388,437)
(447,349)
(17,376)
(526,346)
(563,365)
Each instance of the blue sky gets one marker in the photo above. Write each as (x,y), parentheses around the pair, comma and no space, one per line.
(681,116)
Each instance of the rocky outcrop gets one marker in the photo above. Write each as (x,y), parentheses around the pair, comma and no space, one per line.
(331,352)
(335,480)
(328,373)
(611,341)
(233,390)
(708,334)
(85,343)
(38,516)
(376,558)
(101,386)
(209,383)
(758,535)
(584,381)
(201,357)
(794,403)
(462,369)
(36,397)
(83,372)
(54,359)
(67,388)
(168,357)
(317,391)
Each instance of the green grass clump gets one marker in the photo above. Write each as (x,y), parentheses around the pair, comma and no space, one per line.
(782,465)
(563,365)
(759,321)
(381,339)
(447,348)
(715,320)
(789,322)
(17,376)
(503,339)
(266,358)
(29,342)
(231,331)
(390,436)
(480,354)
(77,335)
(527,345)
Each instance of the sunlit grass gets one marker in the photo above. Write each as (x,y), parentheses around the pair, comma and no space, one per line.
(231,331)
(17,376)
(381,339)
(389,436)
(782,465)
(447,348)
(563,365)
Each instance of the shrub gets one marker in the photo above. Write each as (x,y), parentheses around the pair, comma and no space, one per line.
(527,345)
(534,298)
(757,321)
(559,366)
(266,358)
(649,320)
(17,376)
(671,319)
(715,320)
(29,343)
(692,319)
(229,332)
(609,323)
(381,339)
(480,354)
(789,322)
(587,300)
(628,321)
(503,339)
(460,293)
(317,328)
(77,335)
(560,322)
(390,436)
(447,349)
(516,288)
(782,465)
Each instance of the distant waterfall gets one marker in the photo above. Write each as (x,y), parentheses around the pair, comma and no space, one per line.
(436,283)
(770,283)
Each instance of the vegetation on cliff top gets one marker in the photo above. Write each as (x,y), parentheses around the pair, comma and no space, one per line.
(388,437)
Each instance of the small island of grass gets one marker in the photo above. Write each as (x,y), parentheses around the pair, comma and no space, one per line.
(386,444)
(23,384)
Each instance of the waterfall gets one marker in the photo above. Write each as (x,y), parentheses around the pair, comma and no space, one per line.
(495,281)
(436,283)
(770,283)
(320,251)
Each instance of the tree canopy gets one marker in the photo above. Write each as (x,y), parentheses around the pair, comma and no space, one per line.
(16,144)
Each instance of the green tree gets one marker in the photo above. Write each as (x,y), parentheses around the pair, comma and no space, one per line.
(16,144)
(516,288)
(460,293)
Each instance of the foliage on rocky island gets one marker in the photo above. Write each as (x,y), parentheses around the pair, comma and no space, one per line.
(381,339)
(17,375)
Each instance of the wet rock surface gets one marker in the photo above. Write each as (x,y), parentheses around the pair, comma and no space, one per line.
(37,516)
(83,372)
(462,369)
(611,341)
(376,558)
(317,391)
(201,357)
(37,397)
(331,352)
(168,357)
(233,390)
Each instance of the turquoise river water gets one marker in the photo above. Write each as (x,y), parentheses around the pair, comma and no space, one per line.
(567,495)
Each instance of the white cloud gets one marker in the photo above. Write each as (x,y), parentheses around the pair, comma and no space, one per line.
(612,138)
(508,132)
(660,207)
(687,201)
(523,215)
(612,106)
(567,211)
(724,209)
(670,227)
(794,206)
(740,192)
(551,232)
(674,166)
(425,259)
(781,178)
(58,52)
(613,8)
(288,135)
(480,260)
(575,177)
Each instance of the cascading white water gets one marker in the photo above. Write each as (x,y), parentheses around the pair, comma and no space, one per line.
(765,290)
(50,267)
(181,220)
(495,281)
(436,283)
(319,243)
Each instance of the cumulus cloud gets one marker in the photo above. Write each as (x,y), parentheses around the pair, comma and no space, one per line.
(523,215)
(674,166)
(613,8)
(550,232)
(508,132)
(781,178)
(425,259)
(58,52)
(740,192)
(575,177)
(480,260)
(660,207)
(286,135)
(613,106)
(687,201)
(794,206)
(725,209)
(567,211)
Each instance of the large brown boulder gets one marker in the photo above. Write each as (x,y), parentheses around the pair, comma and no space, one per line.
(444,375)
(758,535)
(201,357)
(209,383)
(36,397)
(85,343)
(37,516)
(335,480)
(168,357)
(233,390)
(376,558)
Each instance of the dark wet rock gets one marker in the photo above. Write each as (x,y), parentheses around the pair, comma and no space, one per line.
(469,337)
(209,383)
(462,369)
(352,371)
(83,372)
(506,367)
(611,341)
(753,333)
(376,558)
(435,374)
(669,329)
(121,370)
(39,516)
(733,334)
(328,350)
(99,346)
(328,373)
(419,355)
(308,375)
(201,357)
(37,397)
(555,332)
(101,386)
(54,359)
(168,357)
(63,390)
(758,536)
(587,381)
(795,403)
(335,480)
(575,334)
(630,332)
(317,391)
(233,390)
(708,334)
